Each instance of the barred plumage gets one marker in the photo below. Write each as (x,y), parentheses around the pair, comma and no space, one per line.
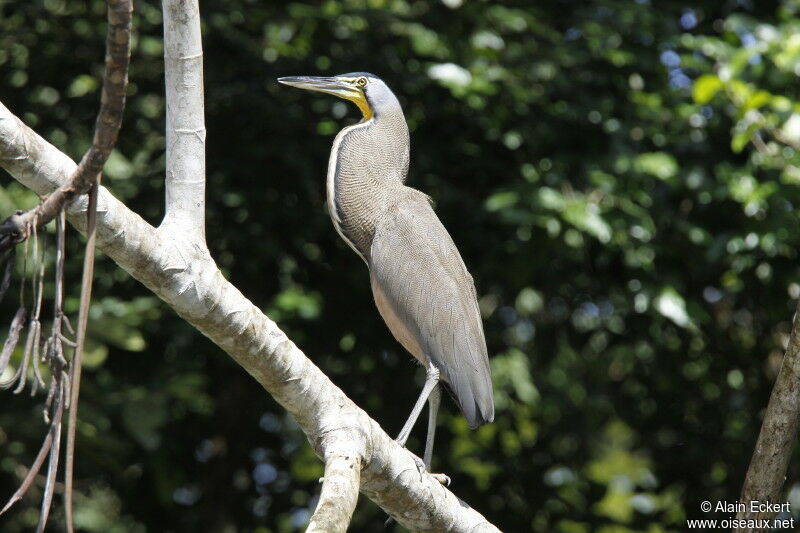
(421,286)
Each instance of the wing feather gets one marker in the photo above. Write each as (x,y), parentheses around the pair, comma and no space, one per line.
(429,302)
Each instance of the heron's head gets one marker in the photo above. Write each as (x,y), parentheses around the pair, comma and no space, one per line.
(366,90)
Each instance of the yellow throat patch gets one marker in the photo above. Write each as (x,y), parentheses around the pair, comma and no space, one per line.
(361,101)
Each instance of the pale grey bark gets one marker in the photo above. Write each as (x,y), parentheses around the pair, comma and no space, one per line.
(183,274)
(174,262)
(339,495)
(186,132)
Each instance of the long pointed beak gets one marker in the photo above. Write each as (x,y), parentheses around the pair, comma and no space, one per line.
(334,86)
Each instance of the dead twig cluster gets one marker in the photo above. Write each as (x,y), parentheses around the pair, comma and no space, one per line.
(65,375)
(52,353)
(21,225)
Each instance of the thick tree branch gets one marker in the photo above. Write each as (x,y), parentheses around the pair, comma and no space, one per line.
(778,436)
(182,273)
(339,493)
(186,132)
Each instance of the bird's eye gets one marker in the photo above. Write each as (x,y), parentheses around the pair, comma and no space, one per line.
(361,82)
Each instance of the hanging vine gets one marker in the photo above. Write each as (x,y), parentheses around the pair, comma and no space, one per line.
(65,374)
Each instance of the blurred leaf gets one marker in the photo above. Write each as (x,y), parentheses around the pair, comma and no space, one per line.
(705,88)
(658,164)
(672,305)
(585,216)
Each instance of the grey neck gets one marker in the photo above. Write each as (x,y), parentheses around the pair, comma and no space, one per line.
(368,164)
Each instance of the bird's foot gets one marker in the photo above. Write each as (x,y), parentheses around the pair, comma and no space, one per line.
(420,465)
(444,479)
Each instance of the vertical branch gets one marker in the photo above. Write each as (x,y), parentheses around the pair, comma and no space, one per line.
(186,133)
(109,120)
(778,436)
(75,368)
(339,495)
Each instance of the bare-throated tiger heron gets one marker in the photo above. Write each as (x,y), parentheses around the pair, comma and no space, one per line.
(421,286)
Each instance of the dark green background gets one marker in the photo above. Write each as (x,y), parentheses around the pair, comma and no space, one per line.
(633,252)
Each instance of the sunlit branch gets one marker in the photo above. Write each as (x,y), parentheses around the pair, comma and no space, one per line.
(184,276)
(339,495)
(186,132)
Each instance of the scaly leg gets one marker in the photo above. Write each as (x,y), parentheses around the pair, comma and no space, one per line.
(433,409)
(431,380)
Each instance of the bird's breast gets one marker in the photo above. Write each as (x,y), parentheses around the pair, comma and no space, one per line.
(358,194)
(354,217)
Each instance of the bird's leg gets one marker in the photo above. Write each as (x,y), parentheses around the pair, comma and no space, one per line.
(433,409)
(431,392)
(431,380)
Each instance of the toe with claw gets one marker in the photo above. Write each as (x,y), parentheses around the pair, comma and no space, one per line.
(422,468)
(444,479)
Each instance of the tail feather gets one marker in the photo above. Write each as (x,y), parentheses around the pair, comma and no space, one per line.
(474,396)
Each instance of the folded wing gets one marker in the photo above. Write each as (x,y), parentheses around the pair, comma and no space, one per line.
(427,297)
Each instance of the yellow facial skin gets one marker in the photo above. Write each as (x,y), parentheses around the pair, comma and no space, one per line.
(358,97)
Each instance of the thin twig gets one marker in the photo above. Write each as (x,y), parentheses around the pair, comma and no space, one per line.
(68,324)
(55,446)
(17,323)
(22,371)
(30,353)
(8,259)
(75,368)
(66,340)
(37,375)
(61,249)
(34,470)
(87,177)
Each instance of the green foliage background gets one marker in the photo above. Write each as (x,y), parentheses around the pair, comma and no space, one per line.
(620,177)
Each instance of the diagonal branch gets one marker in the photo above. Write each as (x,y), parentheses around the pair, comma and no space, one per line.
(182,273)
(778,436)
